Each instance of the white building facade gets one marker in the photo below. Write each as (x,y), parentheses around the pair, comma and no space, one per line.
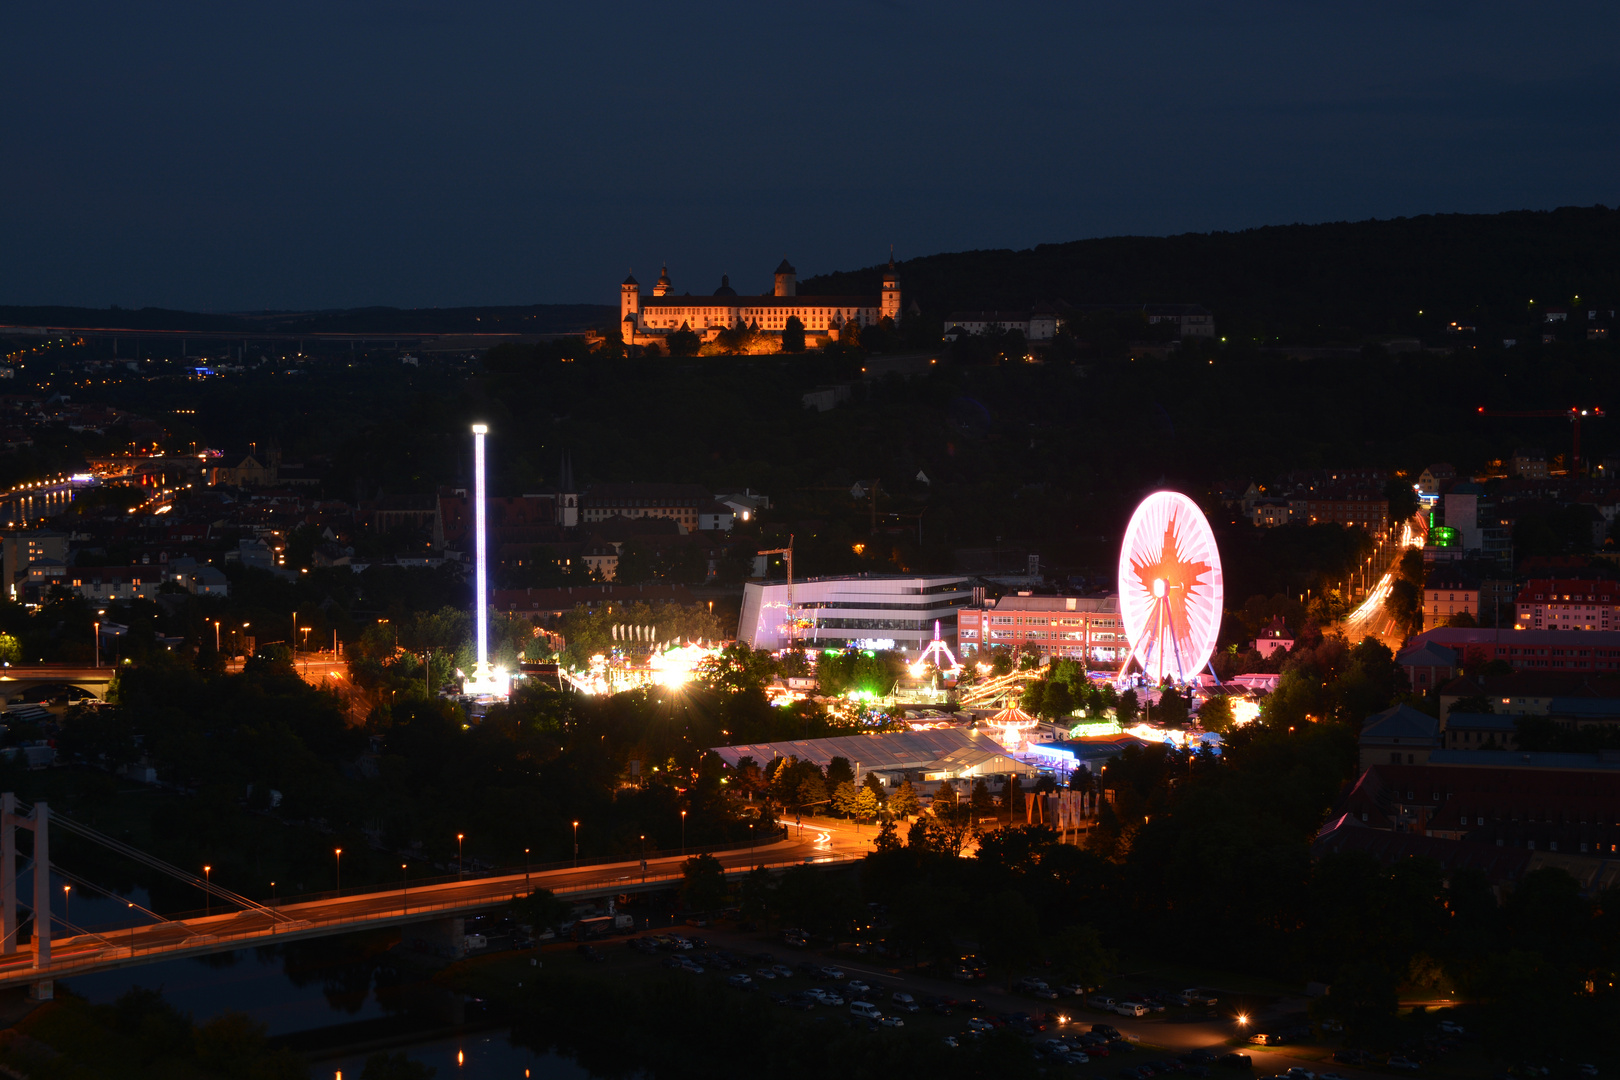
(869,611)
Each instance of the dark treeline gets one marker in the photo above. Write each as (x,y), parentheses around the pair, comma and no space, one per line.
(1301,284)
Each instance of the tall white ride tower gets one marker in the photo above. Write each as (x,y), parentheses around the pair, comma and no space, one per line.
(485,681)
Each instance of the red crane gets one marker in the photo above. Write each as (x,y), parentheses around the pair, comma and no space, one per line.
(1574,416)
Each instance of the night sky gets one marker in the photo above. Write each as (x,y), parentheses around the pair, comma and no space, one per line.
(234,156)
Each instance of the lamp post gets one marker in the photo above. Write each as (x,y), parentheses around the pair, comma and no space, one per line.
(337,859)
(216,635)
(272,896)
(131,928)
(576,845)
(750,843)
(683,834)
(459,838)
(525,868)
(405,884)
(644,858)
(67,906)
(208,894)
(97,642)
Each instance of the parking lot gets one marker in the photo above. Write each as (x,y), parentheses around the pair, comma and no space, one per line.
(865,991)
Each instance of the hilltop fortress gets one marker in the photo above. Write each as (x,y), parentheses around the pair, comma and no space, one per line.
(647,320)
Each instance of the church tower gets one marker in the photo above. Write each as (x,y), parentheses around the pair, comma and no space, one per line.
(567,497)
(891,291)
(663,286)
(629,298)
(787,280)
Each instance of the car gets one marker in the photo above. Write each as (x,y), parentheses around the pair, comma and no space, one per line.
(979,1023)
(1196,997)
(1451,1028)
(764,973)
(1400,1061)
(1075,1057)
(891,1021)
(1297,1073)
(1198,1057)
(1071,989)
(739,980)
(782,971)
(1235,1060)
(1352,1057)
(1261,1038)
(1131,1008)
(1052,1046)
(1330,1076)
(696,969)
(1107,1031)
(854,984)
(1028,983)
(950,1040)
(1119,1046)
(902,1000)
(942,1009)
(830,972)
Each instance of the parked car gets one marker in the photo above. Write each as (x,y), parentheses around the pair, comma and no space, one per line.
(979,1023)
(1451,1028)
(1130,1008)
(830,973)
(865,1010)
(854,984)
(950,1040)
(1196,997)
(739,980)
(1235,1060)
(1198,1057)
(1107,1031)
(1101,1001)
(1401,1061)
(902,1000)
(891,1021)
(1260,1038)
(1075,1057)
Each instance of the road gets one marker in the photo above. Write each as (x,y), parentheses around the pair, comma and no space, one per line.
(1372,618)
(817,842)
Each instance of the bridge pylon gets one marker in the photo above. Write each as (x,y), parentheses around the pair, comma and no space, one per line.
(40,823)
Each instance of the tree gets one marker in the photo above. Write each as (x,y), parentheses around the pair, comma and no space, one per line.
(1058,700)
(839,772)
(1172,708)
(866,805)
(1126,709)
(812,790)
(888,838)
(1009,932)
(904,802)
(982,801)
(1079,953)
(1462,619)
(844,798)
(704,887)
(944,795)
(683,342)
(1216,714)
(793,335)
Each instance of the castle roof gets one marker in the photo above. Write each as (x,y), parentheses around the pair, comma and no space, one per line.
(786,268)
(630,279)
(733,301)
(725,288)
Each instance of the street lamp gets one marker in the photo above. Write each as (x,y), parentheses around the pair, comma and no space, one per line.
(576,845)
(67,906)
(644,858)
(272,894)
(525,868)
(459,839)
(750,842)
(131,928)
(216,635)
(337,858)
(97,642)
(683,834)
(208,890)
(405,884)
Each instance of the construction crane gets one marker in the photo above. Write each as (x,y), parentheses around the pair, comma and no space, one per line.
(1574,416)
(787,556)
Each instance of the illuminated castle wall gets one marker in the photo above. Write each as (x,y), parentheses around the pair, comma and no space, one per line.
(649,319)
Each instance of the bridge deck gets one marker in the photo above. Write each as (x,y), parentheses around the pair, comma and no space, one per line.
(84,953)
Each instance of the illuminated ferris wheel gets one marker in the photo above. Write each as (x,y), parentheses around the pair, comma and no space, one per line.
(1170,588)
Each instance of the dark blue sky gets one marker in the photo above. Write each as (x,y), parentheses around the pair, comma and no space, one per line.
(227,156)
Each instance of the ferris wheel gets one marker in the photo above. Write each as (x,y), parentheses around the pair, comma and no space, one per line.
(1170,589)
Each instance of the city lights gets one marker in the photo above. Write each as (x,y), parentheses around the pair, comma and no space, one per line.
(485,681)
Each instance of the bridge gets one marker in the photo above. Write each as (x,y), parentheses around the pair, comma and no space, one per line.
(52,955)
(18,680)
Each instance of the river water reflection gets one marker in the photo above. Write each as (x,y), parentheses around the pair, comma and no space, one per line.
(336,1000)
